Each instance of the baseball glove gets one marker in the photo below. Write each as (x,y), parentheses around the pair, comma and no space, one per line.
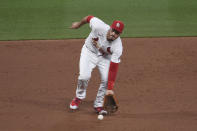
(110,103)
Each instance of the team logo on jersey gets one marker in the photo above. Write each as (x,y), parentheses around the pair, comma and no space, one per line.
(118,25)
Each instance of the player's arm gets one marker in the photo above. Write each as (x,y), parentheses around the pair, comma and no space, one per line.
(113,70)
(76,25)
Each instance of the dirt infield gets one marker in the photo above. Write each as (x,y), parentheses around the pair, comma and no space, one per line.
(156,86)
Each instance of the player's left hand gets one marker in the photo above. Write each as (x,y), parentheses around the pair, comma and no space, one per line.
(110,103)
(109,92)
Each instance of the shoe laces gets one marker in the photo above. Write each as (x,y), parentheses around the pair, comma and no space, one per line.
(77,101)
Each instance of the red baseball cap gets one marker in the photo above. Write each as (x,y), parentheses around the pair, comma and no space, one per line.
(118,25)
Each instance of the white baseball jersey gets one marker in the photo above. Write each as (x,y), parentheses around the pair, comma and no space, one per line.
(99,30)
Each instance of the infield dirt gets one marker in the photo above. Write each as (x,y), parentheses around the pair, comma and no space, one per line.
(155,87)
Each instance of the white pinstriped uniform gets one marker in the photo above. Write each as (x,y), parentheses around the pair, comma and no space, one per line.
(91,58)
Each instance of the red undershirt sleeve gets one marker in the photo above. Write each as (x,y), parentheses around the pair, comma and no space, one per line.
(89,18)
(113,69)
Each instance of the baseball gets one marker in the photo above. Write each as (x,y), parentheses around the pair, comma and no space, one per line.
(100,117)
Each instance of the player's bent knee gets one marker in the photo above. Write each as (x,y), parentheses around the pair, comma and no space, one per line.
(83,81)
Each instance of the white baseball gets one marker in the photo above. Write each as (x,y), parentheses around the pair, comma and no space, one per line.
(100,117)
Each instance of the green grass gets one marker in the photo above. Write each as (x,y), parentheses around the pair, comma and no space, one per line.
(50,19)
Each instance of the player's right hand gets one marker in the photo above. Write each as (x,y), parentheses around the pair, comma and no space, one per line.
(75,25)
(95,42)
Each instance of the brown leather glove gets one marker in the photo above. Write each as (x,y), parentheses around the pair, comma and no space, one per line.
(110,103)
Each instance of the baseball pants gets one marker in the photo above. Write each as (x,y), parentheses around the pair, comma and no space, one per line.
(88,61)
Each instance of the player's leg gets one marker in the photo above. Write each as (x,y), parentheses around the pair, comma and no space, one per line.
(86,66)
(103,67)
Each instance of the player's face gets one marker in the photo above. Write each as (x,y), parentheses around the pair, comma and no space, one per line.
(112,34)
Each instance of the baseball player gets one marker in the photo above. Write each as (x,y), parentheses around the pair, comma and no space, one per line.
(102,49)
